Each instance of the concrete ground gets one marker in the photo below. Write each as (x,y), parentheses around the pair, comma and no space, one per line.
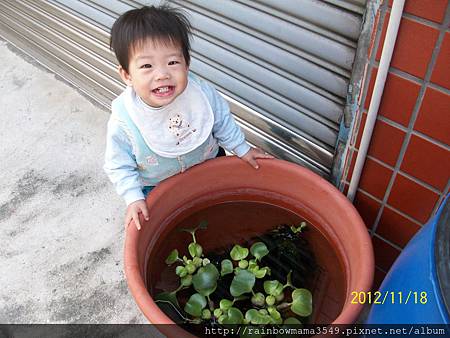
(61,232)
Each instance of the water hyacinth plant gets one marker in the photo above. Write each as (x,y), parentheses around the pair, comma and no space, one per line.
(276,303)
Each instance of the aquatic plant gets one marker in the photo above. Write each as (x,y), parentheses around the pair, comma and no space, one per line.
(277,302)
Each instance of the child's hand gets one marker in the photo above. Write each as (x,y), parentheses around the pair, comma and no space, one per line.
(254,153)
(133,211)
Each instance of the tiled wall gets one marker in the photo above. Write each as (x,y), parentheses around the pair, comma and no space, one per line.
(406,174)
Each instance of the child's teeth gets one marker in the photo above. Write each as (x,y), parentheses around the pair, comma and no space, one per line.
(163,89)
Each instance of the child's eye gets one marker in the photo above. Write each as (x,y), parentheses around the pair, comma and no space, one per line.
(171,63)
(147,65)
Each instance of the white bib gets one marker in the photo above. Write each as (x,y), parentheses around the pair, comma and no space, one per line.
(175,129)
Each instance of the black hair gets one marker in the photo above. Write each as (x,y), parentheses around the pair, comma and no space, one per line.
(161,24)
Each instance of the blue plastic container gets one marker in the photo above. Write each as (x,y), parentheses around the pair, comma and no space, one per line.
(417,288)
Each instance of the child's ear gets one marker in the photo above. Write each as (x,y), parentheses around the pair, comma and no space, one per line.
(125,76)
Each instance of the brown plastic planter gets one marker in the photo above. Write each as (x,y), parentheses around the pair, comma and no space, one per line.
(277,192)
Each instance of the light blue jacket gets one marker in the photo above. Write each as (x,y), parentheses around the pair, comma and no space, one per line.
(131,165)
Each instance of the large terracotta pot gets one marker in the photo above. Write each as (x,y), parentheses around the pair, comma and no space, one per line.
(278,192)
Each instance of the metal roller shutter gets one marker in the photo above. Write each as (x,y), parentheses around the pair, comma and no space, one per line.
(284,66)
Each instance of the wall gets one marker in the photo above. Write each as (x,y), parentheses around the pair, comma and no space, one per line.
(406,174)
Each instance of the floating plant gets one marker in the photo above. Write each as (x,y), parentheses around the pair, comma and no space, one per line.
(239,287)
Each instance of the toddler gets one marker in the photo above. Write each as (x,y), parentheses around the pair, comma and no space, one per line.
(167,119)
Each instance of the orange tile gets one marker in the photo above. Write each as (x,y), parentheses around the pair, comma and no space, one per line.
(428,162)
(434,117)
(367,207)
(352,165)
(348,157)
(441,71)
(373,76)
(375,178)
(412,199)
(373,35)
(386,143)
(385,254)
(362,124)
(396,228)
(345,189)
(432,10)
(413,48)
(383,36)
(399,98)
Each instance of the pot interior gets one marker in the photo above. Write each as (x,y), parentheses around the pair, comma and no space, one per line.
(236,218)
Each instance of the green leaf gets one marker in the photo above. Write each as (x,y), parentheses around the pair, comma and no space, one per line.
(206,314)
(253,316)
(172,258)
(289,280)
(259,250)
(289,324)
(197,261)
(257,318)
(203,225)
(232,316)
(273,287)
(168,297)
(258,299)
(270,300)
(292,321)
(195,249)
(226,267)
(260,273)
(238,253)
(186,280)
(243,264)
(181,271)
(301,302)
(205,280)
(263,311)
(276,316)
(252,265)
(243,282)
(279,297)
(225,304)
(299,228)
(190,268)
(217,313)
(195,305)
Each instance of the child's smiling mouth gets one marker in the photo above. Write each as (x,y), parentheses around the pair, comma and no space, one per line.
(164,91)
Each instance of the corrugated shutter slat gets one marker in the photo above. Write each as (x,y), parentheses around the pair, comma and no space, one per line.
(284,66)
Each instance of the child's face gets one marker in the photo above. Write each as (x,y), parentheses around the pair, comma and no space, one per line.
(157,72)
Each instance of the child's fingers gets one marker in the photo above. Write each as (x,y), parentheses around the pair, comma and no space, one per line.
(263,155)
(128,219)
(253,163)
(136,220)
(258,153)
(145,213)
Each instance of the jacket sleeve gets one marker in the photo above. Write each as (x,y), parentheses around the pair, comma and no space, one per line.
(225,128)
(120,164)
